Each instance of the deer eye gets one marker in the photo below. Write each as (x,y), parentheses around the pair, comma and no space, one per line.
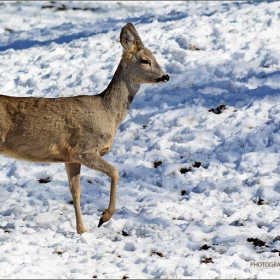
(144,61)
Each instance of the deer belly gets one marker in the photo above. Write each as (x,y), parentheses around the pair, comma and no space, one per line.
(53,153)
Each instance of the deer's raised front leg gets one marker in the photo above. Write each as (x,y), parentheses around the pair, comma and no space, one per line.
(96,162)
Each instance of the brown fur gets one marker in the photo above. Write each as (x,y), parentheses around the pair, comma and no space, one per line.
(78,130)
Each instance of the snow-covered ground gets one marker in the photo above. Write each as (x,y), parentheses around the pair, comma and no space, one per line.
(211,207)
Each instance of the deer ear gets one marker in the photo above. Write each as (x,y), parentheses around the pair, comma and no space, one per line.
(129,37)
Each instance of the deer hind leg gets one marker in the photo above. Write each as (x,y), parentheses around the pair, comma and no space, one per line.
(96,162)
(73,173)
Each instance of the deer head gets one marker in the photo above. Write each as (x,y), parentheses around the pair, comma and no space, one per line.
(139,61)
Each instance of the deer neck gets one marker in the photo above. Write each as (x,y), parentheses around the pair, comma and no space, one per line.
(120,93)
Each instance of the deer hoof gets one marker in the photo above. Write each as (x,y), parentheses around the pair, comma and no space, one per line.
(100,222)
(81,230)
(106,216)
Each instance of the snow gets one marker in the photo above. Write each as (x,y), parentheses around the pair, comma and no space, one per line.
(216,53)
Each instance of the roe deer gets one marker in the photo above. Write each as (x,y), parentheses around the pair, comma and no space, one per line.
(81,129)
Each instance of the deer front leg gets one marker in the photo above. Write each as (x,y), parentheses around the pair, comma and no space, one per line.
(96,162)
(73,173)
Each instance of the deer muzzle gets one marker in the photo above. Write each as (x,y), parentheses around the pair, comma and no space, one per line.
(163,78)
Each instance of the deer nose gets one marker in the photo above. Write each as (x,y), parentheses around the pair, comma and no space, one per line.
(163,78)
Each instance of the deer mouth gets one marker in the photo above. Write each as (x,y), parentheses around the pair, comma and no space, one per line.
(163,78)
